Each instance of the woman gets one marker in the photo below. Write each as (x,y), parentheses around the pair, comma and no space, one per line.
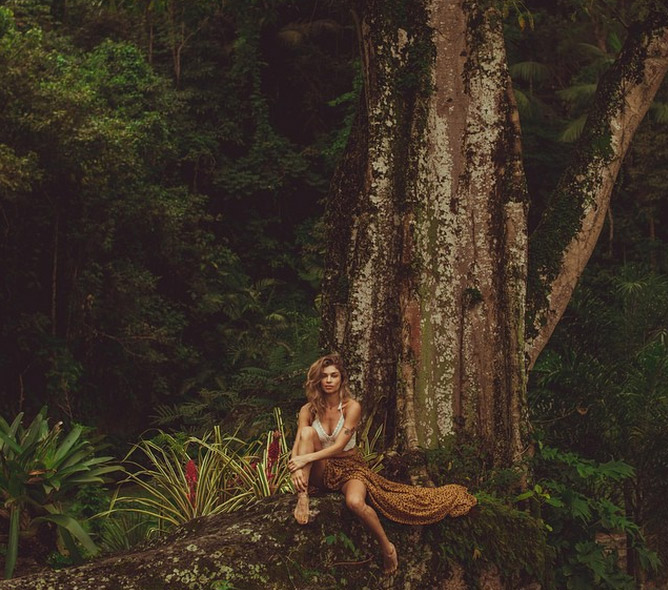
(331,462)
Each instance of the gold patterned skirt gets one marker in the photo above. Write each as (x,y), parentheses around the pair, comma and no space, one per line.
(399,502)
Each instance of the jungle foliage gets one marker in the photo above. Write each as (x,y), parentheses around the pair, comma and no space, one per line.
(163,167)
(160,237)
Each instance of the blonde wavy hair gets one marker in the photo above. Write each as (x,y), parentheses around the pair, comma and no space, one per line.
(314,392)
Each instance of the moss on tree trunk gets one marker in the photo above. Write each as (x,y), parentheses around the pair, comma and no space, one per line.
(427,278)
(424,287)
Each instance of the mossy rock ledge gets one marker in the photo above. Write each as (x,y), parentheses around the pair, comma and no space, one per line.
(262,547)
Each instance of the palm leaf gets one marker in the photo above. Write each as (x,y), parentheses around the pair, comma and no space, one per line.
(573,130)
(523,102)
(594,52)
(578,93)
(73,527)
(529,71)
(659,112)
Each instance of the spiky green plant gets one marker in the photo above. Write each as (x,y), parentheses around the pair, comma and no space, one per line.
(165,494)
(369,446)
(125,530)
(226,473)
(262,467)
(40,471)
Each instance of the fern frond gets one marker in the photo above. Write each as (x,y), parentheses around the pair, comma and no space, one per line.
(594,52)
(523,102)
(529,71)
(573,130)
(659,111)
(578,93)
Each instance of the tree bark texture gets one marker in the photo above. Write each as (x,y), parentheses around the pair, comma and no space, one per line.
(565,239)
(263,548)
(424,288)
(427,277)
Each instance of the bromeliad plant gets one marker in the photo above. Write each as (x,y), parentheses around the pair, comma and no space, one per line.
(41,469)
(176,481)
(261,468)
(186,479)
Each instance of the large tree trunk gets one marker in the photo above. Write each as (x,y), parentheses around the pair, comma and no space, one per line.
(425,289)
(264,548)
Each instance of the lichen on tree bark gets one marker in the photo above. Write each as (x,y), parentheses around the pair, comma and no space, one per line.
(566,237)
(428,313)
(428,218)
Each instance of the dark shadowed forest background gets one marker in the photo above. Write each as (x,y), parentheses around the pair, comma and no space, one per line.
(164,167)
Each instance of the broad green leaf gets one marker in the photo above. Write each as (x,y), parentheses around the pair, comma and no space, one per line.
(35,430)
(38,427)
(524,495)
(71,525)
(65,473)
(76,457)
(27,451)
(9,441)
(12,540)
(13,429)
(71,546)
(67,444)
(98,471)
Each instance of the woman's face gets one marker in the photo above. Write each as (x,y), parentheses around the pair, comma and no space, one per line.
(331,379)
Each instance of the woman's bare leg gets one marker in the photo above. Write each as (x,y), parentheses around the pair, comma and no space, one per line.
(355,492)
(308,443)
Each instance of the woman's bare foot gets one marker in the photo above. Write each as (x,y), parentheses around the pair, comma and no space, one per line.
(301,510)
(390,561)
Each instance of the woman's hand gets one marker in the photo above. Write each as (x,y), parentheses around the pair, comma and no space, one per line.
(299,481)
(298,462)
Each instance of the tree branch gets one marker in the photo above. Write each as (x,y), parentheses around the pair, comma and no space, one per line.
(561,246)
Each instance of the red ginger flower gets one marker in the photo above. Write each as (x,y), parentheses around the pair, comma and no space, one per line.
(191,480)
(273,452)
(274,448)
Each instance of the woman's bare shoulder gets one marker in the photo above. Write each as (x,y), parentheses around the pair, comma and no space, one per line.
(306,413)
(352,405)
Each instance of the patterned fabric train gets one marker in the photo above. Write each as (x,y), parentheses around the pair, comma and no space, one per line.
(399,502)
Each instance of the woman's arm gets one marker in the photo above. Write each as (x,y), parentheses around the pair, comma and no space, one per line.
(352,420)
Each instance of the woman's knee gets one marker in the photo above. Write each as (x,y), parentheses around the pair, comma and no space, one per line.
(309,434)
(355,503)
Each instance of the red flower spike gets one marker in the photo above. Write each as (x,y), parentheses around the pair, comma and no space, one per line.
(274,449)
(191,480)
